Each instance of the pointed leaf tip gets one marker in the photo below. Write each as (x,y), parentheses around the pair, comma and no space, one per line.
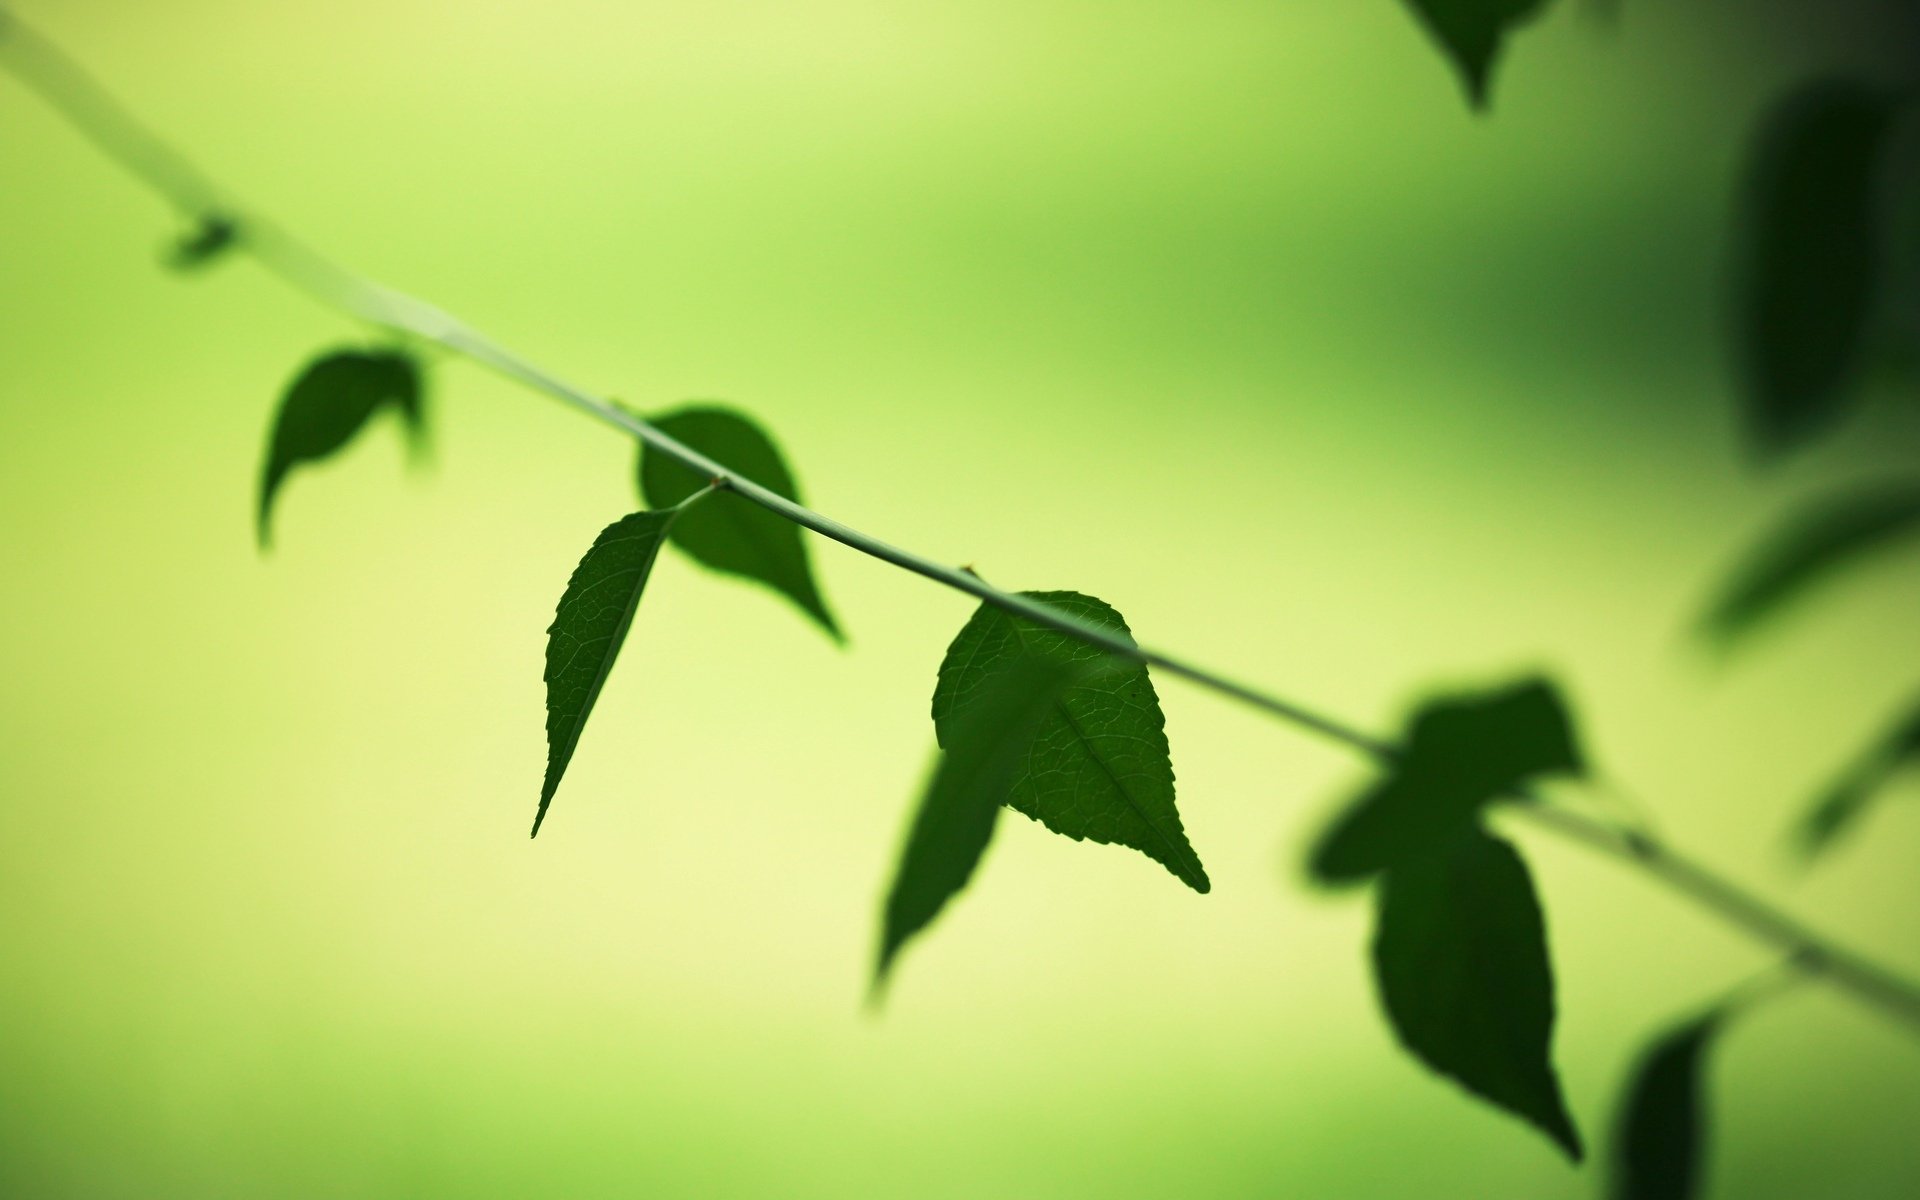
(1100,768)
(327,405)
(730,533)
(1473,33)
(985,748)
(1660,1135)
(589,625)
(1460,958)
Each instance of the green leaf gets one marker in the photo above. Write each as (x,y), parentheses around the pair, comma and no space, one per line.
(329,402)
(985,749)
(730,533)
(1461,753)
(1850,795)
(1815,544)
(1662,1128)
(1811,251)
(1460,956)
(213,237)
(588,628)
(1099,766)
(1472,32)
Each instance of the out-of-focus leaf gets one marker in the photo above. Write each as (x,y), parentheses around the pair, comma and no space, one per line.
(1813,545)
(1099,766)
(1460,754)
(1811,255)
(1460,955)
(212,238)
(588,628)
(985,748)
(1850,795)
(1659,1143)
(730,533)
(1472,32)
(329,402)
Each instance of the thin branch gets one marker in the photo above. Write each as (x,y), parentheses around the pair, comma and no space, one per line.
(84,103)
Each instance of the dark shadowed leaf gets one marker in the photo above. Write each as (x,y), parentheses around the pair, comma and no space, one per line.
(588,627)
(1659,1137)
(211,239)
(1472,33)
(1099,767)
(1810,246)
(1813,545)
(985,748)
(1460,955)
(1460,754)
(1851,794)
(729,533)
(327,404)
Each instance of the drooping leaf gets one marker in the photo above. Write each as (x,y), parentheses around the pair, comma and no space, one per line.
(213,237)
(1811,251)
(985,749)
(588,628)
(329,402)
(1460,956)
(1850,795)
(1460,754)
(1814,545)
(1660,1135)
(1472,32)
(730,533)
(1099,767)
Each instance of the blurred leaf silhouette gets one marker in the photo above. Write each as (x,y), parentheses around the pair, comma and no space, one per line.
(589,626)
(1460,754)
(1850,795)
(1811,257)
(986,747)
(730,533)
(1460,955)
(210,240)
(328,403)
(1473,32)
(1813,545)
(1098,767)
(1660,1135)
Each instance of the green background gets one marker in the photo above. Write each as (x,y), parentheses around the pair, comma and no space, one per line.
(1225,311)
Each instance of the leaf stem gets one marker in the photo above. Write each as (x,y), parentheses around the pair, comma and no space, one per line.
(76,96)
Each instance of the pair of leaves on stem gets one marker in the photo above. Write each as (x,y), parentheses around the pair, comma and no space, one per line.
(1034,719)
(1460,948)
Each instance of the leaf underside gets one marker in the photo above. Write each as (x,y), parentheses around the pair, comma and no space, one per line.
(984,751)
(1098,767)
(729,533)
(1461,754)
(327,404)
(588,628)
(1810,248)
(1660,1140)
(1460,958)
(1813,546)
(1473,32)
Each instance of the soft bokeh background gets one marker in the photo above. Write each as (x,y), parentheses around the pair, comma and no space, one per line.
(1226,311)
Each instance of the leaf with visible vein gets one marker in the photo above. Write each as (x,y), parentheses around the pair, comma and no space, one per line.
(1658,1147)
(1460,957)
(730,533)
(588,628)
(1814,545)
(1099,768)
(985,749)
(1473,32)
(1462,753)
(1810,256)
(327,404)
(1850,795)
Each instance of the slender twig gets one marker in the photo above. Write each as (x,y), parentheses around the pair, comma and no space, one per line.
(84,103)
